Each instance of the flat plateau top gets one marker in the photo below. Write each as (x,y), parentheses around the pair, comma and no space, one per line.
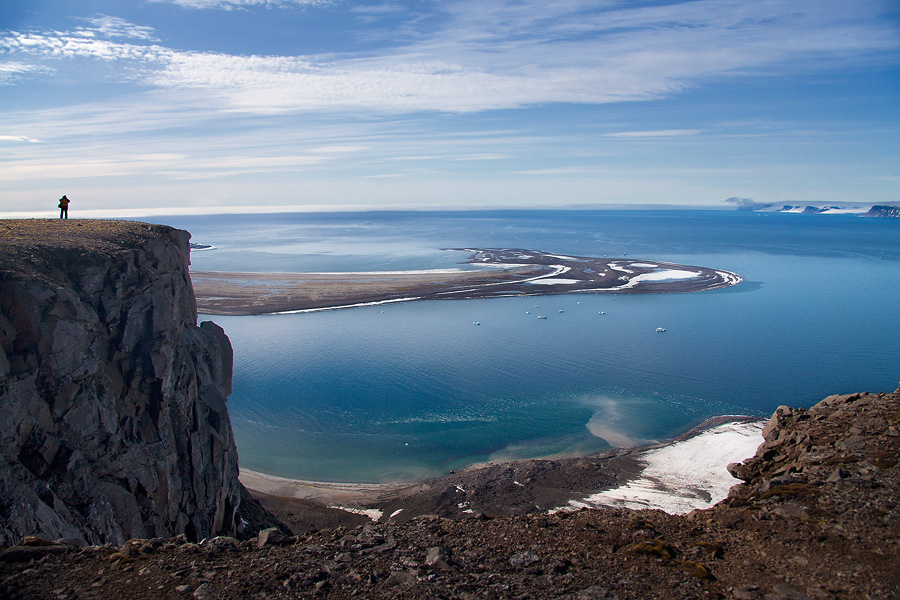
(74,233)
(31,246)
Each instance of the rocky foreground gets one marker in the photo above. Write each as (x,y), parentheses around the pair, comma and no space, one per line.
(816,518)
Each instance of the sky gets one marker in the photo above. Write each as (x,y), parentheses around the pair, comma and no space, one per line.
(135,107)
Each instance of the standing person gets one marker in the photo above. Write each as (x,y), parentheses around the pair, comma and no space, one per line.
(64,207)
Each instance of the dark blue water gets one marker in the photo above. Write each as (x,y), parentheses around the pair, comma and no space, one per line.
(406,391)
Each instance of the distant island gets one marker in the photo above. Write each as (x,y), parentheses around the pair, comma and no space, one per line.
(874,211)
(507,272)
(862,210)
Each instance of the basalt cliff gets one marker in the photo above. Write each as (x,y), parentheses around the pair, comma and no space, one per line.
(113,423)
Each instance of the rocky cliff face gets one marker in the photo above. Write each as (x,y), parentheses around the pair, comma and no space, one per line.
(113,422)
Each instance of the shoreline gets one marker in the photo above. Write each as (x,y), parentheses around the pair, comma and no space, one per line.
(529,485)
(506,272)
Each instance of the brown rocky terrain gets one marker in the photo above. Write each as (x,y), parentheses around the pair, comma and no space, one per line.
(816,518)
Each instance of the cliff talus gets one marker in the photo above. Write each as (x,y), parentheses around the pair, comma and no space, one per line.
(112,399)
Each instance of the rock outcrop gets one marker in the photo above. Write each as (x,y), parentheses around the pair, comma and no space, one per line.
(113,422)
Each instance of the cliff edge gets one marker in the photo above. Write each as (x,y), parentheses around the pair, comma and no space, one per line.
(113,422)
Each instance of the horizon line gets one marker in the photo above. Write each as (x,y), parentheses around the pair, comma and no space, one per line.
(100,213)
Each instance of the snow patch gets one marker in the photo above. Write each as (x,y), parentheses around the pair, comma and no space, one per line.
(666,275)
(617,267)
(372,513)
(554,281)
(686,475)
(560,257)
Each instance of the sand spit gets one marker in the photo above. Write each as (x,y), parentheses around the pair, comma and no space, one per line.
(507,272)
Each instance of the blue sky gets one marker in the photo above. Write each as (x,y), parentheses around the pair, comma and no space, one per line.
(132,107)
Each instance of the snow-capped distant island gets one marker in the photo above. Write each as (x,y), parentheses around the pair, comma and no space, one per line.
(863,210)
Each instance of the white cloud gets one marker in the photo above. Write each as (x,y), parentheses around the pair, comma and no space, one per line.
(386,8)
(573,171)
(170,165)
(239,4)
(13,71)
(114,27)
(19,138)
(495,54)
(662,133)
(79,44)
(338,149)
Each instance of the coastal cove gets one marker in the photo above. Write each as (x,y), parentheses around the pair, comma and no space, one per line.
(410,391)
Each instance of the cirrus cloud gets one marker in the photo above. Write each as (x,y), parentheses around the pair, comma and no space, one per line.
(239,4)
(493,55)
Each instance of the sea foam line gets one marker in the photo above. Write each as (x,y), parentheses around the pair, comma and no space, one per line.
(357,305)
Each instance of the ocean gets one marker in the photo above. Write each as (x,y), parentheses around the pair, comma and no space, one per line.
(407,391)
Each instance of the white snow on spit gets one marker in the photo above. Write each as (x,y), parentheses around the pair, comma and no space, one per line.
(644,265)
(558,270)
(685,475)
(616,267)
(730,278)
(666,275)
(554,281)
(561,257)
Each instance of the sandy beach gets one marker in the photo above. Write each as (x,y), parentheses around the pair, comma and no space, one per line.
(505,272)
(351,494)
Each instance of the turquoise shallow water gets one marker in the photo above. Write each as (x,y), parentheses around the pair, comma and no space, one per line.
(412,390)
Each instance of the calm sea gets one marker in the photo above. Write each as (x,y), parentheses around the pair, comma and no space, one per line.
(407,391)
